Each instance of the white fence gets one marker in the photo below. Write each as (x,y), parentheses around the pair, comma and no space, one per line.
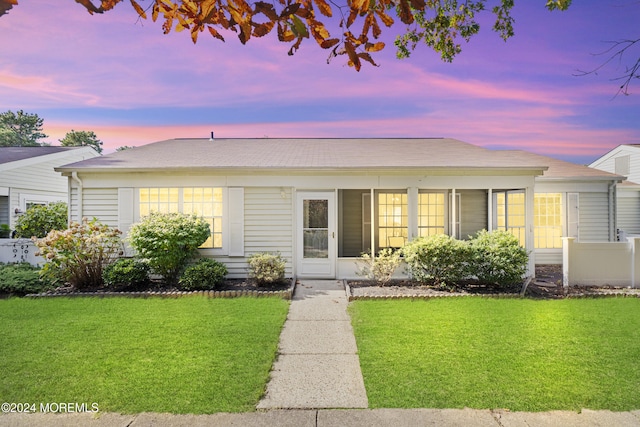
(596,264)
(19,250)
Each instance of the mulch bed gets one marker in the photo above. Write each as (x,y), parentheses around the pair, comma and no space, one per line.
(230,288)
(547,285)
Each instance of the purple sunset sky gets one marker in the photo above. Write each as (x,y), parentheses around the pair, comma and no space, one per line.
(132,85)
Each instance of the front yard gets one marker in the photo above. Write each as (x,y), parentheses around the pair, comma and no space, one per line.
(185,355)
(522,355)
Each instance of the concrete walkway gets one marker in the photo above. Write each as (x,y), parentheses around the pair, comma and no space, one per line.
(318,365)
(336,418)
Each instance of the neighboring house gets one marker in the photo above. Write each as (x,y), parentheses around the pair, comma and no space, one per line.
(322,202)
(625,160)
(27,177)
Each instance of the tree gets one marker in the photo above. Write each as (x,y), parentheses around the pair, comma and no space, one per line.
(20,129)
(440,24)
(81,138)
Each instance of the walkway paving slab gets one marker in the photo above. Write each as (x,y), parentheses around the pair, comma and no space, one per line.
(407,418)
(318,337)
(310,381)
(568,419)
(319,309)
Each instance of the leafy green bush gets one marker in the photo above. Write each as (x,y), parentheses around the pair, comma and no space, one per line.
(205,274)
(78,254)
(267,269)
(39,220)
(22,279)
(168,242)
(498,259)
(381,268)
(126,273)
(438,259)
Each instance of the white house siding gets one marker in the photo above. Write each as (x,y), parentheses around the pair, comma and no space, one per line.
(268,219)
(628,211)
(594,217)
(36,177)
(607,162)
(101,203)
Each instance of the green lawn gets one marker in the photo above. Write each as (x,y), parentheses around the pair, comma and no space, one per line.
(523,355)
(185,355)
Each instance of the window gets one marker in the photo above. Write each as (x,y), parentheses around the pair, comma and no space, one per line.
(163,200)
(547,220)
(393,228)
(431,214)
(510,213)
(206,202)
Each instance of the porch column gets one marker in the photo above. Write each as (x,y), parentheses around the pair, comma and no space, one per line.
(454,214)
(412,223)
(490,209)
(528,221)
(373,222)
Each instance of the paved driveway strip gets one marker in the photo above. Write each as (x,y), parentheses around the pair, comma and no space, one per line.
(318,365)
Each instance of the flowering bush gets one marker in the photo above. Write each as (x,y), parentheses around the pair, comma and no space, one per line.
(266,268)
(381,268)
(38,220)
(168,241)
(205,274)
(78,254)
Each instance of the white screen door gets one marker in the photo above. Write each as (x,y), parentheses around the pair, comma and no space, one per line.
(316,235)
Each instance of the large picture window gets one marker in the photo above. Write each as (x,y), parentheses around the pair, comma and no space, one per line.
(393,228)
(510,213)
(206,202)
(547,220)
(431,214)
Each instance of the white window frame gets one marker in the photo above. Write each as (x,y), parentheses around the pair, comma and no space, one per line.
(39,199)
(224,250)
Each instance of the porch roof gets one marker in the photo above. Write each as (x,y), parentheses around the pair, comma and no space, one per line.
(309,155)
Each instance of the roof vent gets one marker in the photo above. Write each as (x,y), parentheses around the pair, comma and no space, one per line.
(211,138)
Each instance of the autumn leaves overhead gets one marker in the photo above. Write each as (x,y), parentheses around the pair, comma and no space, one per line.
(441,24)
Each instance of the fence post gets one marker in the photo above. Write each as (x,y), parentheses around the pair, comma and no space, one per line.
(567,243)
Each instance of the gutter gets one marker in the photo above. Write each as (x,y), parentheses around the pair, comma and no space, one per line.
(74,176)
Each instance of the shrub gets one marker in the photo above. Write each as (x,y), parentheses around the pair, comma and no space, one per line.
(381,268)
(22,279)
(78,254)
(205,274)
(5,231)
(438,259)
(39,220)
(126,273)
(498,259)
(168,241)
(266,269)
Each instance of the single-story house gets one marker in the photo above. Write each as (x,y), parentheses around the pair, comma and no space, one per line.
(27,177)
(322,202)
(624,160)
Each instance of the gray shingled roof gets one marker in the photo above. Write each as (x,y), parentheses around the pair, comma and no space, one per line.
(318,154)
(14,154)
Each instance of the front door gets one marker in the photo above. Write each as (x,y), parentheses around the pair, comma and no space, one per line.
(316,247)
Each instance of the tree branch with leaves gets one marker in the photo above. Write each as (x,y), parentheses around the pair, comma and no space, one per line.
(441,24)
